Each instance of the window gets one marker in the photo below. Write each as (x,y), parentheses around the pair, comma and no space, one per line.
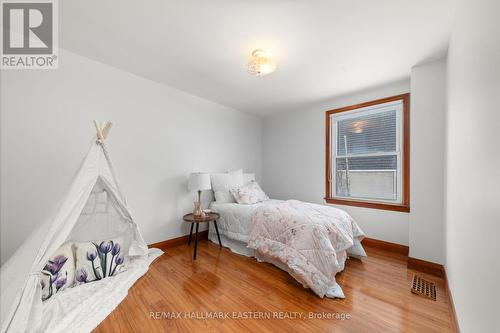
(367,154)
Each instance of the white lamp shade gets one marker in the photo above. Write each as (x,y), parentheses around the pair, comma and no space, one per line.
(199,181)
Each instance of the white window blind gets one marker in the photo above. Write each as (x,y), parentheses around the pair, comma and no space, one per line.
(366,153)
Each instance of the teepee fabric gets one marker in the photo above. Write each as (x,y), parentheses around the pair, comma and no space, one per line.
(81,217)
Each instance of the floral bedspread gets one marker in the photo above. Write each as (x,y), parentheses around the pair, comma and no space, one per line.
(306,237)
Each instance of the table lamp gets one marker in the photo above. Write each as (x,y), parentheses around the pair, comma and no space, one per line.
(199,181)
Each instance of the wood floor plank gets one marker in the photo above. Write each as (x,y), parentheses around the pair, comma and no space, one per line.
(377,289)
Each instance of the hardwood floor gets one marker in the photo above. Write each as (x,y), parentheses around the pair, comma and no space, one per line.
(377,290)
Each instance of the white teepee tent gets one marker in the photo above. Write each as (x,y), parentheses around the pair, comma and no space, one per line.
(82,308)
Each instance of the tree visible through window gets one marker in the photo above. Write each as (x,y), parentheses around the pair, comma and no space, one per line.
(367,154)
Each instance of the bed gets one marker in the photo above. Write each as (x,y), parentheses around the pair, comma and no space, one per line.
(311,242)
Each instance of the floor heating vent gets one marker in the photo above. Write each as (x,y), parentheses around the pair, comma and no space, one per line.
(421,286)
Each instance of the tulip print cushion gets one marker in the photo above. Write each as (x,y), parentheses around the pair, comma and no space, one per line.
(99,259)
(59,271)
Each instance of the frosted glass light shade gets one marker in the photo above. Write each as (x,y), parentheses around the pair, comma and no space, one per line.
(199,181)
(260,64)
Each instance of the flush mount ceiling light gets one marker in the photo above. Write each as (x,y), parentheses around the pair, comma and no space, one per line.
(260,64)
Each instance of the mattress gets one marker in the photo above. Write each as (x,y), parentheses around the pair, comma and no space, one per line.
(235,227)
(235,219)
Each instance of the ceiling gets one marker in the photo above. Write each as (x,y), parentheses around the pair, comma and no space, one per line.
(323,48)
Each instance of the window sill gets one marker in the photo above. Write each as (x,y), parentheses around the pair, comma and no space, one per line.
(367,204)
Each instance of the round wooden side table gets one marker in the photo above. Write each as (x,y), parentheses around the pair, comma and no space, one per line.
(210,217)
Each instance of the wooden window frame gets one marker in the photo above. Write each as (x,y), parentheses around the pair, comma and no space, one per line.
(401,207)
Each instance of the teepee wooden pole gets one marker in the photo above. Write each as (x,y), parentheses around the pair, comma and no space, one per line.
(106,129)
(99,132)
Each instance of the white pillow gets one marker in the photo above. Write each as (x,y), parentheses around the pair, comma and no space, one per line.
(93,257)
(59,271)
(223,182)
(249,193)
(248,177)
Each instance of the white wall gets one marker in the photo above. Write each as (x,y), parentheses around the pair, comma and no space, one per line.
(294,161)
(159,136)
(473,166)
(427,150)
